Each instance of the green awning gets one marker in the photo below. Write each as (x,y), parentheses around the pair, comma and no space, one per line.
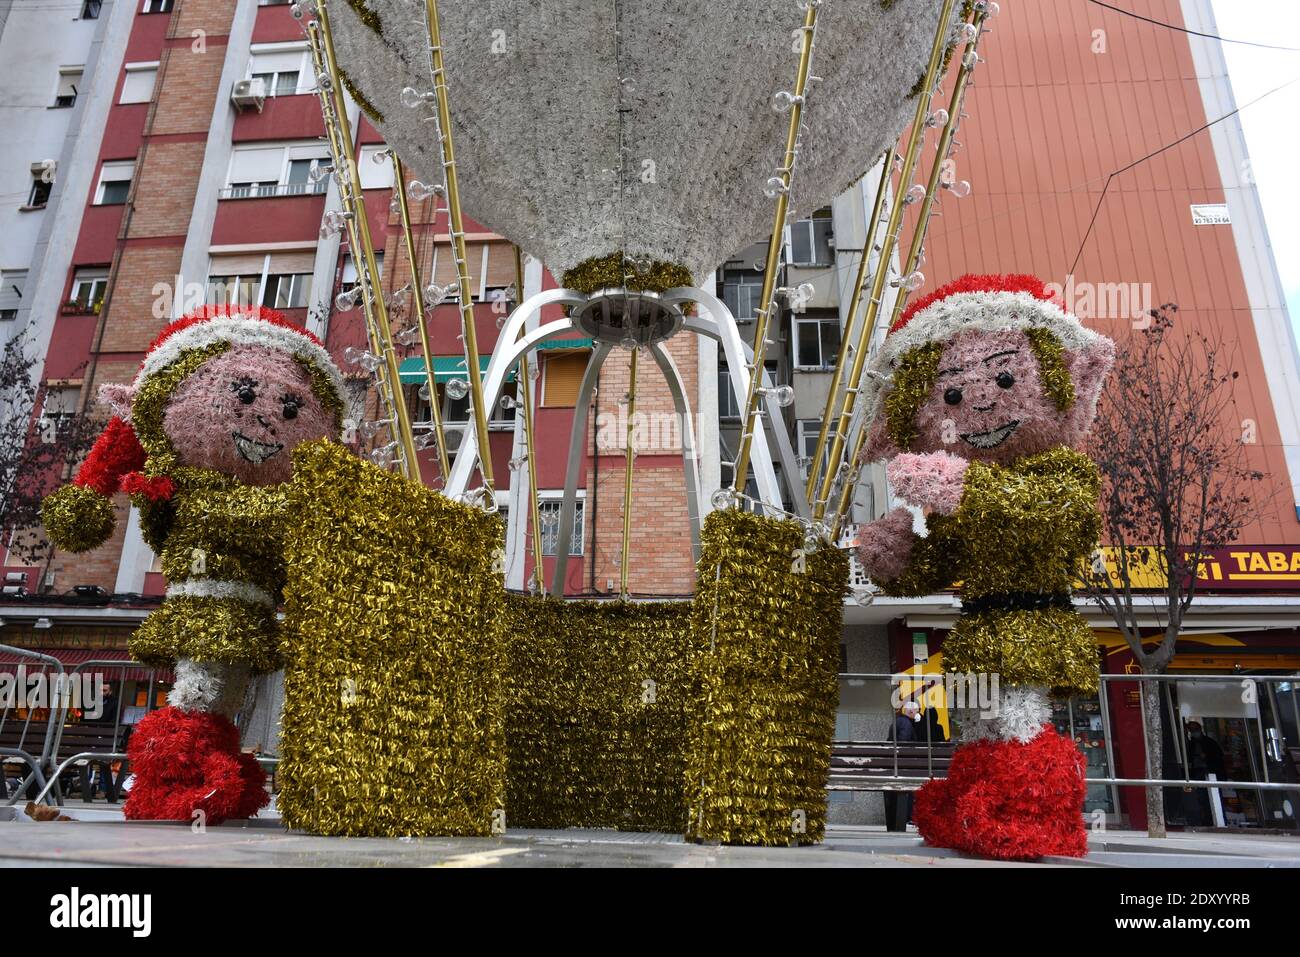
(445,368)
(565,344)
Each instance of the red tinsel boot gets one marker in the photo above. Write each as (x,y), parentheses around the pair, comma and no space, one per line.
(187,761)
(1008,800)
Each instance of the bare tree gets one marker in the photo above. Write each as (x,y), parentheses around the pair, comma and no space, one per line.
(36,451)
(1176,485)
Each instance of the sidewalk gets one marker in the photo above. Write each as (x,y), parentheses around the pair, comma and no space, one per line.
(99,837)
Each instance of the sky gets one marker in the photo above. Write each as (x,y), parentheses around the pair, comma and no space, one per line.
(1272,134)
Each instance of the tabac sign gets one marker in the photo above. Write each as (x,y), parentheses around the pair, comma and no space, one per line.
(1239,568)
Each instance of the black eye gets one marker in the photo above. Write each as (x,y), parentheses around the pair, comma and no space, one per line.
(244,389)
(1005,380)
(290,410)
(952,396)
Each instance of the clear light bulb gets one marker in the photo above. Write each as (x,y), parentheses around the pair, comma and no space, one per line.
(915,193)
(966,33)
(783,395)
(457,388)
(346,300)
(411,98)
(723,498)
(960,189)
(775,187)
(783,100)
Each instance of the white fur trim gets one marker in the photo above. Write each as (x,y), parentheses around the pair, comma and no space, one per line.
(1021,714)
(217,588)
(983,311)
(209,686)
(242,329)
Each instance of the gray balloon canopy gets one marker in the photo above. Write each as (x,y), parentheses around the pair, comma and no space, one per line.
(586,127)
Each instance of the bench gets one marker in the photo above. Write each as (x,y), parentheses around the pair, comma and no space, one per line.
(869,765)
(76,738)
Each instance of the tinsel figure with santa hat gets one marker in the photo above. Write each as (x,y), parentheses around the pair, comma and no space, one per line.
(202,441)
(979,400)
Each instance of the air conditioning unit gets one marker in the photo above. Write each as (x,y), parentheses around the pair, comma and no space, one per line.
(249,93)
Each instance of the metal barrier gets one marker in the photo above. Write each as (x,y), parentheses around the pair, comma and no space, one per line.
(20,750)
(1279,744)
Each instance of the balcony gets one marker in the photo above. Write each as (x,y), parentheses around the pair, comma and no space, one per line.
(272,190)
(81,307)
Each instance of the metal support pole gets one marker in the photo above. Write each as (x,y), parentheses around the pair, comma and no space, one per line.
(629,465)
(360,230)
(417,284)
(526,388)
(918,239)
(915,138)
(457,226)
(833,392)
(764,319)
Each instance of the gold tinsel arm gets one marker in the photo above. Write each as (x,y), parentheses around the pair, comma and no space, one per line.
(77,518)
(615,269)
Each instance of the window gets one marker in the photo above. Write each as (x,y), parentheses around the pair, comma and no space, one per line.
(279,69)
(349,279)
(816,343)
(287,291)
(234,290)
(549,512)
(375,169)
(157,6)
(90,9)
(42,183)
(276,171)
(456,412)
(88,288)
(811,240)
(562,378)
(137,87)
(728,405)
(11,293)
(65,95)
(741,291)
(58,409)
(808,430)
(114,183)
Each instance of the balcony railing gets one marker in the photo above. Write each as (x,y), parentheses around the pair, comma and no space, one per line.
(271,190)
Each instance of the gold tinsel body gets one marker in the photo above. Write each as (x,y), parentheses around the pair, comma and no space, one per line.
(215,531)
(1020,528)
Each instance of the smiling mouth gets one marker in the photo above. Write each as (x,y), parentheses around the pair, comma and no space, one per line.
(992,438)
(254,451)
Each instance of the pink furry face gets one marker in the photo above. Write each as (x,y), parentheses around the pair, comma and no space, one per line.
(243,412)
(988,402)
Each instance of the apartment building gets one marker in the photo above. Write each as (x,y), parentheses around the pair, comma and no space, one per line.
(187,166)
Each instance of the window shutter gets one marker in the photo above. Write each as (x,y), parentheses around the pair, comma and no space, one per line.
(283,61)
(562,378)
(11,287)
(444,271)
(247,265)
(282,263)
(256,165)
(138,85)
(501,265)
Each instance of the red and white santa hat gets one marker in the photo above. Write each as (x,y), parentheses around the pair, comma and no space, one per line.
(989,303)
(238,325)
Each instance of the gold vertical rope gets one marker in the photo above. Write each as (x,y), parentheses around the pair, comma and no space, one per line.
(526,388)
(457,225)
(918,237)
(628,467)
(915,137)
(417,285)
(833,392)
(360,230)
(764,318)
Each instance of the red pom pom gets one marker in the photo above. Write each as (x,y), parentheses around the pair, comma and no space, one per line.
(187,761)
(974,282)
(159,489)
(1008,800)
(116,452)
